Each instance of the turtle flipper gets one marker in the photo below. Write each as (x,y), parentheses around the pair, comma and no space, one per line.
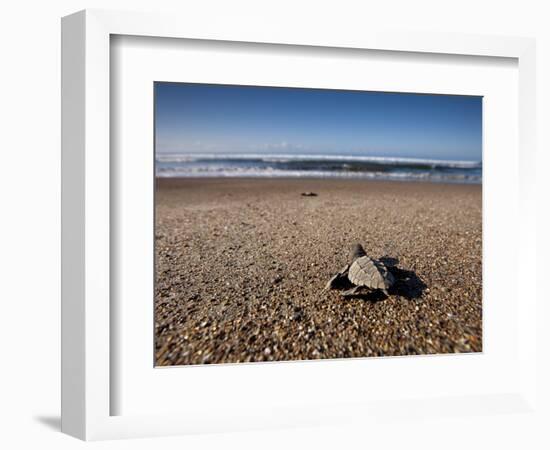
(338,280)
(356,290)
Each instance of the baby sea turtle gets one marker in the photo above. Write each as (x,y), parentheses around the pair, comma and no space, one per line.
(363,273)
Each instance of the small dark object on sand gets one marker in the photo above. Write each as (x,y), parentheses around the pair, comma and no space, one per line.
(309,194)
(363,273)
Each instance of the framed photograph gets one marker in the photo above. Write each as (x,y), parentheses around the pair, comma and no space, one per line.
(265,193)
(267,228)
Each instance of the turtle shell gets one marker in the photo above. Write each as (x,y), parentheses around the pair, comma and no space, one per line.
(370,273)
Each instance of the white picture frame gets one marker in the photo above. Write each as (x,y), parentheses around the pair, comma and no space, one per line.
(87,385)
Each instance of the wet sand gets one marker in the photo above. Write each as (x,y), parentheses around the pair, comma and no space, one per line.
(241,265)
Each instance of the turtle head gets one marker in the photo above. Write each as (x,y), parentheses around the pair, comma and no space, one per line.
(357,251)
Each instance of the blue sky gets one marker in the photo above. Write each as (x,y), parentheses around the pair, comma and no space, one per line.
(201,118)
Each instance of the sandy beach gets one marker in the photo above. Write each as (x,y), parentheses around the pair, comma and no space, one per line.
(241,265)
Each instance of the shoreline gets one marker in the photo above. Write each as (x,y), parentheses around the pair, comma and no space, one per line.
(335,178)
(181,182)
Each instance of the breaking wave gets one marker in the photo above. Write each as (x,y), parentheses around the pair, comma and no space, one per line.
(318,166)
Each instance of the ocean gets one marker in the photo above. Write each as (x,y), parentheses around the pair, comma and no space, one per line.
(318,166)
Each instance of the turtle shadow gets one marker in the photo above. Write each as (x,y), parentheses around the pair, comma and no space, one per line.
(407,284)
(372,296)
(389,261)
